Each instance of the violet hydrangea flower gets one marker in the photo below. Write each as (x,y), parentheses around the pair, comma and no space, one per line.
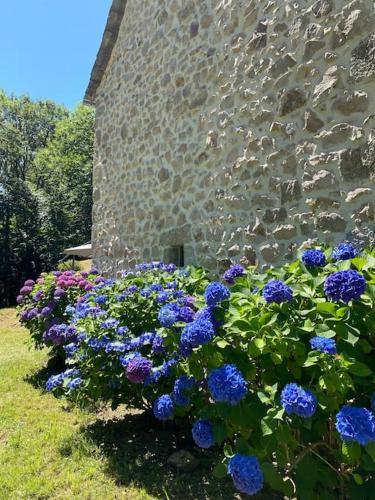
(138,369)
(233,272)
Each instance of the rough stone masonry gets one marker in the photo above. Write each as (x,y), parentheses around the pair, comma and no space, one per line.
(238,129)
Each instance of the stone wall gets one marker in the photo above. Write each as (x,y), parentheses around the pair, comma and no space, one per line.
(237,128)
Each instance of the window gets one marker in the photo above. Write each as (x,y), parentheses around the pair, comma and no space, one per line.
(176,256)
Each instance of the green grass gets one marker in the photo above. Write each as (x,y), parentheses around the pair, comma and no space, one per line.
(49,450)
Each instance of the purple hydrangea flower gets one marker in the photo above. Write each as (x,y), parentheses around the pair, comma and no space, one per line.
(233,272)
(345,285)
(59,292)
(246,473)
(203,433)
(277,291)
(29,283)
(20,299)
(138,370)
(26,290)
(298,401)
(226,384)
(356,424)
(314,258)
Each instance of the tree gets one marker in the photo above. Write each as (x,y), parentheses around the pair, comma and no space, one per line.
(25,126)
(45,186)
(62,175)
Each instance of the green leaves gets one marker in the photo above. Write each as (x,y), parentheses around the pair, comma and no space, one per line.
(351,452)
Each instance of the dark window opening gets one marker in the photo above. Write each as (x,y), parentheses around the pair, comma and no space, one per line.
(176,256)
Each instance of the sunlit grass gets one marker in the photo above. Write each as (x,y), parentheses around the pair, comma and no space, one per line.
(51,450)
(43,454)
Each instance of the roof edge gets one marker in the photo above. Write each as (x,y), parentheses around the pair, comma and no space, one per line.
(115,17)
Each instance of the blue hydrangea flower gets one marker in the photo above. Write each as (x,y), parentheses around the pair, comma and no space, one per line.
(277,291)
(163,407)
(197,333)
(138,369)
(356,424)
(101,299)
(233,272)
(70,349)
(73,384)
(54,381)
(109,323)
(117,346)
(345,285)
(181,385)
(299,401)
(172,285)
(158,345)
(203,433)
(215,293)
(168,315)
(146,292)
(125,360)
(170,268)
(314,258)
(162,297)
(70,310)
(246,473)
(186,314)
(226,384)
(324,345)
(344,251)
(122,331)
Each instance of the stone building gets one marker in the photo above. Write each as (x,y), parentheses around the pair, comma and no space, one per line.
(232,129)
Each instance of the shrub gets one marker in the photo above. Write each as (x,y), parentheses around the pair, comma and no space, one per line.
(278,368)
(290,376)
(121,347)
(43,304)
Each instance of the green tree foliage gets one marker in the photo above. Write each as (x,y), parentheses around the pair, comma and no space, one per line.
(62,175)
(45,186)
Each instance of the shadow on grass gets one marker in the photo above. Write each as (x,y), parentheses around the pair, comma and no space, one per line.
(39,378)
(137,450)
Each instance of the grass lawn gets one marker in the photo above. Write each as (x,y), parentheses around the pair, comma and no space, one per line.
(49,450)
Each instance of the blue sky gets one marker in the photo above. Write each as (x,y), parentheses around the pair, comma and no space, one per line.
(48,47)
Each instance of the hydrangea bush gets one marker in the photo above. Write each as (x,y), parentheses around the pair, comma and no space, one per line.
(275,369)
(126,335)
(288,379)
(42,305)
